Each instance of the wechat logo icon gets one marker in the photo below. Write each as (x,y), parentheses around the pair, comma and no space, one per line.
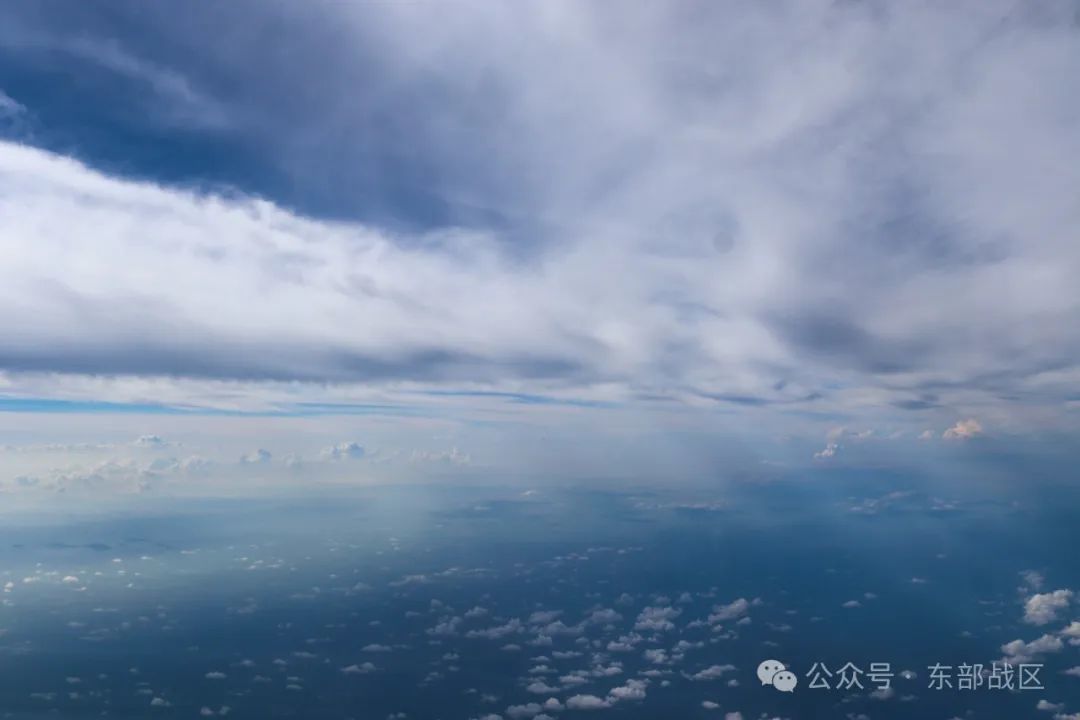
(773,672)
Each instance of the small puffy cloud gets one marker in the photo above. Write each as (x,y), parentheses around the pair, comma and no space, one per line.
(528,710)
(632,690)
(1018,651)
(1047,706)
(499,631)
(543,617)
(657,618)
(604,616)
(586,702)
(1043,608)
(215,675)
(710,705)
(1032,580)
(150,441)
(255,457)
(827,452)
(731,611)
(344,451)
(964,430)
(713,672)
(361,669)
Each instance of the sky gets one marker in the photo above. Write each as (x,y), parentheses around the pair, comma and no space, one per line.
(409,240)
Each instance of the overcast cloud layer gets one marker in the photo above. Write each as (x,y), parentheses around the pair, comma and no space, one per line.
(819,206)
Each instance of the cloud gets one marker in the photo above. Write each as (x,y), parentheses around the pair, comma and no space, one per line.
(791,199)
(713,672)
(10,109)
(1043,608)
(631,690)
(344,451)
(258,456)
(963,430)
(827,452)
(587,702)
(731,611)
(657,619)
(1018,651)
(361,669)
(528,710)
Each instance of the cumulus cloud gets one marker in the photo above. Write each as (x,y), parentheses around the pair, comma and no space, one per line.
(963,430)
(259,456)
(828,451)
(528,710)
(344,451)
(587,702)
(1043,608)
(732,611)
(359,669)
(657,618)
(713,672)
(1018,651)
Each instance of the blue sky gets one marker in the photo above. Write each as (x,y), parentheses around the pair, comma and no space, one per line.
(564,236)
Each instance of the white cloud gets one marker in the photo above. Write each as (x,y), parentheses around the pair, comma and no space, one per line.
(735,211)
(713,672)
(1043,608)
(657,619)
(586,702)
(828,451)
(257,457)
(528,710)
(344,451)
(631,690)
(963,430)
(1018,651)
(791,201)
(361,669)
(731,611)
